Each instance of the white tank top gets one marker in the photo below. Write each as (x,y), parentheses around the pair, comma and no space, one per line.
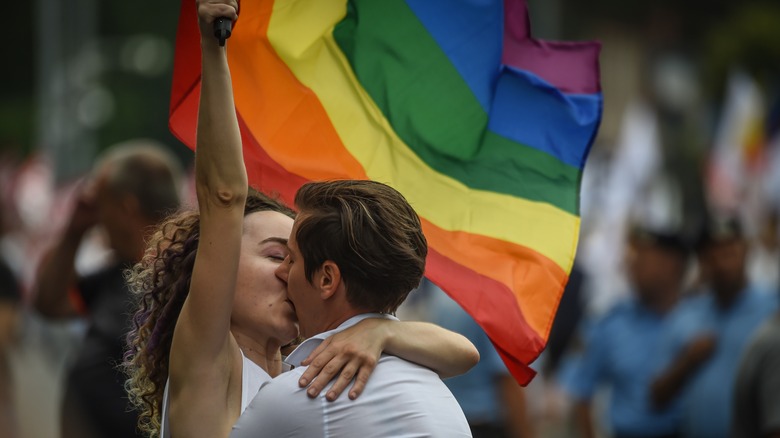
(252,377)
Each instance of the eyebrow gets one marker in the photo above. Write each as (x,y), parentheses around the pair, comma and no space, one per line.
(276,240)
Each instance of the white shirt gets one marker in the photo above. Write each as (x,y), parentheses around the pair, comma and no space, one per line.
(252,378)
(401,399)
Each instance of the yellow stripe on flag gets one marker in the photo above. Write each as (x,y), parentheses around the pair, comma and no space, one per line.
(294,32)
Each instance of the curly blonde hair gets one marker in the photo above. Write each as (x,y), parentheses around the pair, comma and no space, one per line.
(160,283)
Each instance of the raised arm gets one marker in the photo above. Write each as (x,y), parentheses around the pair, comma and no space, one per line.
(355,352)
(204,355)
(56,275)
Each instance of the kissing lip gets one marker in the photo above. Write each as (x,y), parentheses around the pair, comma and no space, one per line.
(290,303)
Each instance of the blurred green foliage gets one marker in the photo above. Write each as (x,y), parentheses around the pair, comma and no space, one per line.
(716,34)
(141,101)
(749,38)
(17,79)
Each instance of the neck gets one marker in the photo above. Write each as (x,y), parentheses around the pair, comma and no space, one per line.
(662,301)
(332,318)
(265,353)
(725,296)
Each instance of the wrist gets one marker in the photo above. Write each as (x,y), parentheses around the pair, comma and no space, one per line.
(209,42)
(73,237)
(387,333)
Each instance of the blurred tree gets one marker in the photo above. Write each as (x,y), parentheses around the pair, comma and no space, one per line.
(129,95)
(17,81)
(139,44)
(748,38)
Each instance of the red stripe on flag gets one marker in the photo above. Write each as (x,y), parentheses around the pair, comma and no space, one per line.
(495,309)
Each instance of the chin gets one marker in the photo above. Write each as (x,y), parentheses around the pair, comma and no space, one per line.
(294,332)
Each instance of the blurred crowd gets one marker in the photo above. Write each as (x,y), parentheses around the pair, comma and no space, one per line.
(671,333)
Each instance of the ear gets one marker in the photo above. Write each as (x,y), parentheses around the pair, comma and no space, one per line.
(130,204)
(329,279)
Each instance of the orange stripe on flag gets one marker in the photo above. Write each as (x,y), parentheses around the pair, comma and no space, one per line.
(514,267)
(288,118)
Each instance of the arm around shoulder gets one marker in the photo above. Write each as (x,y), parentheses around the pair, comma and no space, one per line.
(354,353)
(447,353)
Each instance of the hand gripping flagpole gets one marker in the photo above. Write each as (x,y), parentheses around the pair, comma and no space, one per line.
(222,29)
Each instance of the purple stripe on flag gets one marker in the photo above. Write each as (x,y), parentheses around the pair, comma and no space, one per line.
(572,67)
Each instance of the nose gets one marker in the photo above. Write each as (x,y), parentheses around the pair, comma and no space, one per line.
(283,270)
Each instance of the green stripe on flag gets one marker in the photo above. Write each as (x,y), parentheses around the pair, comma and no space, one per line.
(405,73)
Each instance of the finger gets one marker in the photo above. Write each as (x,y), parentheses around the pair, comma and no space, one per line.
(226,11)
(209,12)
(360,382)
(320,348)
(315,361)
(231,3)
(328,373)
(345,376)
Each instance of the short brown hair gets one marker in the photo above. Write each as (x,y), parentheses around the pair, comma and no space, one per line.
(371,232)
(145,169)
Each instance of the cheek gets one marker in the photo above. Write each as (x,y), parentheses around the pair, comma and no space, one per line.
(255,275)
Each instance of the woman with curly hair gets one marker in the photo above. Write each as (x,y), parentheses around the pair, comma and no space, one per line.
(162,280)
(212,315)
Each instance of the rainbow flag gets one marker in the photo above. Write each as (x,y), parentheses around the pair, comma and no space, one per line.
(483,129)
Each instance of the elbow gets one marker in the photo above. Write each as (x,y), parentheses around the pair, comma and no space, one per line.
(222,195)
(658,397)
(233,196)
(47,309)
(40,303)
(472,357)
(468,357)
(41,307)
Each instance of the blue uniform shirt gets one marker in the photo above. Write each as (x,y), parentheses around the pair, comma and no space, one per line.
(621,353)
(476,391)
(707,397)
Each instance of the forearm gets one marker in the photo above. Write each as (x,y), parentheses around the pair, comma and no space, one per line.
(669,384)
(55,276)
(219,164)
(355,352)
(584,419)
(446,352)
(202,336)
(202,330)
(515,408)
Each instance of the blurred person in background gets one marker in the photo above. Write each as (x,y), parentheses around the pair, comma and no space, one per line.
(763,260)
(493,402)
(132,186)
(9,321)
(620,347)
(756,403)
(708,332)
(551,406)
